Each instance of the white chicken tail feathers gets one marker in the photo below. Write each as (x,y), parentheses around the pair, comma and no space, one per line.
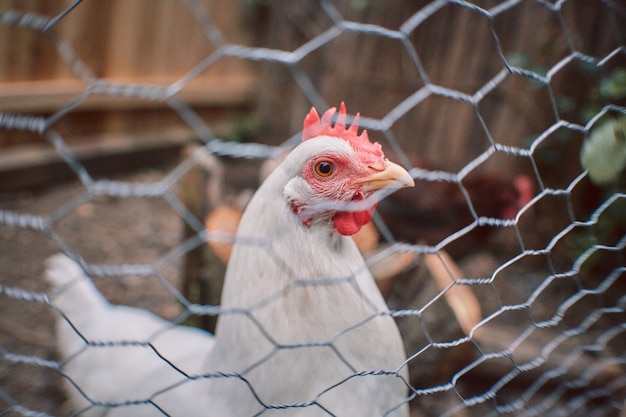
(61,270)
(72,288)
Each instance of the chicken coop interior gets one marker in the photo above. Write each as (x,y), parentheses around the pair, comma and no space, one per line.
(134,136)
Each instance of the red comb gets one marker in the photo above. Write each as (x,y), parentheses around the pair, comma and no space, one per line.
(314,126)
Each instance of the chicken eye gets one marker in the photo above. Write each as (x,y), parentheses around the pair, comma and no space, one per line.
(324,169)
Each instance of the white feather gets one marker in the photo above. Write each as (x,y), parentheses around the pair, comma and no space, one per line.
(303,325)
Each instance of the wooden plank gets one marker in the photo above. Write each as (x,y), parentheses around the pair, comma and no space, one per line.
(25,167)
(201,191)
(51,95)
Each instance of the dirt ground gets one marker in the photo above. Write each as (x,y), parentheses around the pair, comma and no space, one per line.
(107,230)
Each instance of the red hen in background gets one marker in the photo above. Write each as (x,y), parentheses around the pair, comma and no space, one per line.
(434,210)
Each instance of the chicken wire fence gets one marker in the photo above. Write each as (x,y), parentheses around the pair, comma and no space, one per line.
(549,338)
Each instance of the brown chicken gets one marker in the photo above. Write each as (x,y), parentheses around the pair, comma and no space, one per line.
(433,211)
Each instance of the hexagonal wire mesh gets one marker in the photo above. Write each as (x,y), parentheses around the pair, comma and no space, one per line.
(549,335)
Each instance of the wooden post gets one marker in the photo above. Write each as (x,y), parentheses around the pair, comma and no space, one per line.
(201,190)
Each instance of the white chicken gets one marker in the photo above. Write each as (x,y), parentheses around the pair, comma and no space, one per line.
(303,331)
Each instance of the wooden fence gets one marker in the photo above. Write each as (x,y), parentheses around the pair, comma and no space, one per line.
(156,42)
(142,42)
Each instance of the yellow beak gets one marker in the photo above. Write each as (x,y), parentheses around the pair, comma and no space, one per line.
(391,176)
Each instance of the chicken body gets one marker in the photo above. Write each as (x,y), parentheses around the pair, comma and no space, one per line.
(317,317)
(304,330)
(113,355)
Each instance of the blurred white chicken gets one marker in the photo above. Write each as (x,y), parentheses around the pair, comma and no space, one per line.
(304,330)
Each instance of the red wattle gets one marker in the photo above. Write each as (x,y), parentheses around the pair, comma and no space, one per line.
(348,223)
